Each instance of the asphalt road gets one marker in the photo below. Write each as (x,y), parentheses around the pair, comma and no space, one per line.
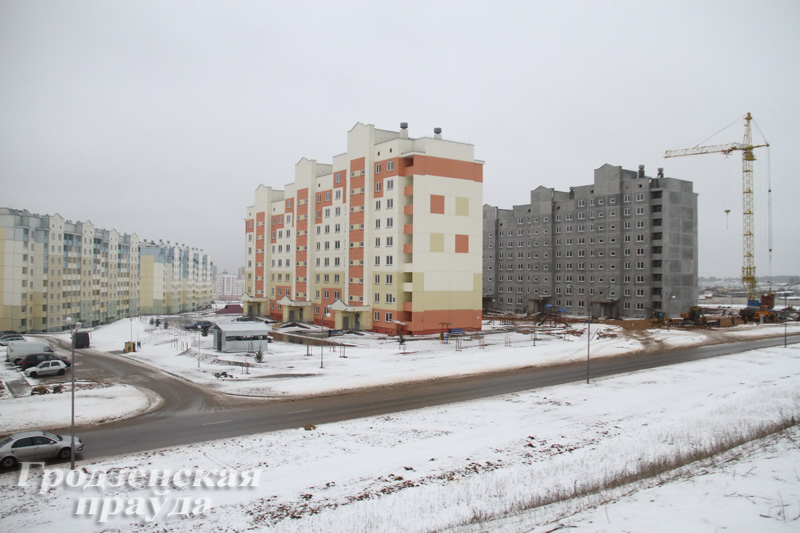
(191,414)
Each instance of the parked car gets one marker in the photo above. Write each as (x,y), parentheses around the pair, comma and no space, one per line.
(19,349)
(82,339)
(36,358)
(5,339)
(47,368)
(200,324)
(34,445)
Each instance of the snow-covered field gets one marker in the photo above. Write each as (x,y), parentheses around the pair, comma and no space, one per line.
(447,467)
(373,360)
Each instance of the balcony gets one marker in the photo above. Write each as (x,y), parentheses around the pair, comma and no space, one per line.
(408,248)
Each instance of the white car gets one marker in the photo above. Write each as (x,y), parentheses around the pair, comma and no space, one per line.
(32,445)
(47,368)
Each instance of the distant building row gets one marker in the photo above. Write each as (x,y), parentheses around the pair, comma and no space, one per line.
(229,287)
(52,268)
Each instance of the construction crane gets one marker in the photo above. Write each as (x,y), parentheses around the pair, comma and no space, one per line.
(746,147)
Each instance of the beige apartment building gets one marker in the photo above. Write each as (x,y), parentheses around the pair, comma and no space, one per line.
(387,237)
(174,279)
(52,268)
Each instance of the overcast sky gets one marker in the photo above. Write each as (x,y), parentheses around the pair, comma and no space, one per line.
(161,118)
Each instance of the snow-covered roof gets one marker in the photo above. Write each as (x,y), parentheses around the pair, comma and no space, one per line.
(253,327)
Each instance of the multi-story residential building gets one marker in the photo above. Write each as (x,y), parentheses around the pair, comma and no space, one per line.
(385,238)
(174,279)
(228,287)
(623,246)
(52,268)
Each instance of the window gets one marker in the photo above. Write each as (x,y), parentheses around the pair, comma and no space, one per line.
(377,186)
(377,170)
(390,222)
(389,166)
(388,317)
(389,185)
(389,203)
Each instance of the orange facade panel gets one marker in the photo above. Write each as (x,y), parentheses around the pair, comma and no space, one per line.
(437,204)
(448,168)
(408,248)
(356,289)
(357,165)
(408,209)
(462,244)
(408,229)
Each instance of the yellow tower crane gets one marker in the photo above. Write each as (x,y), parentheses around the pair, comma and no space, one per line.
(747,147)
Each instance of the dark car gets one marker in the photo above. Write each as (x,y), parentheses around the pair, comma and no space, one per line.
(5,339)
(32,445)
(36,358)
(82,339)
(200,324)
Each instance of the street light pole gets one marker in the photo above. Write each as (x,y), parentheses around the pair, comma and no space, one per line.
(322,332)
(588,344)
(72,373)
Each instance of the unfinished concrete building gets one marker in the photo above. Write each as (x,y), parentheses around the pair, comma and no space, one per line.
(625,246)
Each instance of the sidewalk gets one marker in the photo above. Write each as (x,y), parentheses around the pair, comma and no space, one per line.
(15,382)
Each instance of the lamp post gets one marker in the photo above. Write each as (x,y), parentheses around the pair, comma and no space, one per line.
(588,333)
(321,334)
(72,373)
(786,315)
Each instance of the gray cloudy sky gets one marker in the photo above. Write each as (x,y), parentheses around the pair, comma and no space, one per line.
(161,118)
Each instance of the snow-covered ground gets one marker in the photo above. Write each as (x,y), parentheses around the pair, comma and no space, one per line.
(373,360)
(446,467)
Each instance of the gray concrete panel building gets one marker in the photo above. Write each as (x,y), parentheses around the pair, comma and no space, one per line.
(624,246)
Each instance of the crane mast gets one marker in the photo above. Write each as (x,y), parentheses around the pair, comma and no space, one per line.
(748,235)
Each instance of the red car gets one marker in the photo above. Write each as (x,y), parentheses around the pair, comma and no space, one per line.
(36,358)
